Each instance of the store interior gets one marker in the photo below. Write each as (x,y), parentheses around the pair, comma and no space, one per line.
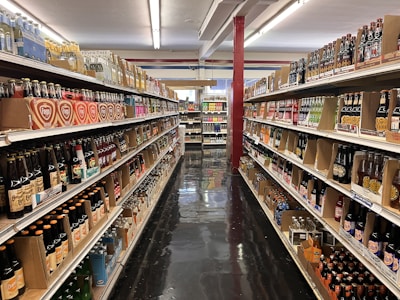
(106,105)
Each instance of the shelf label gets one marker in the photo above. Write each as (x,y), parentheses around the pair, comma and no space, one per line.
(372,206)
(190,122)
(256,140)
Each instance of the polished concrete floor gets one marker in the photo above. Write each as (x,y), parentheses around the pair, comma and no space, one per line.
(209,239)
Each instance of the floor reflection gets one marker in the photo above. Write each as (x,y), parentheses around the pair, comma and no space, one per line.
(209,239)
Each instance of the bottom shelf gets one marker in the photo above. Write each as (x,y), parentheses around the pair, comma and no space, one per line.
(104,292)
(284,238)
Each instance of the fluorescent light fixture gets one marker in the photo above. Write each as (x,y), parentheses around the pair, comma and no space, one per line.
(10,6)
(275,21)
(155,22)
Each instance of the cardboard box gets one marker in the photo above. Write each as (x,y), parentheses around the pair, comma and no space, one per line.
(28,113)
(311,254)
(65,113)
(323,156)
(390,35)
(103,112)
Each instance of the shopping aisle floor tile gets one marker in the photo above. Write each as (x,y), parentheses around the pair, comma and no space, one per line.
(209,239)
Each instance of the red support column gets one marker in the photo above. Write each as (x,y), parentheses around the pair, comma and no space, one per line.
(237,105)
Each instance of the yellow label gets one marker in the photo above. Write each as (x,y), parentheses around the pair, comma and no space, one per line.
(39,184)
(77,236)
(374,186)
(94,215)
(83,230)
(65,248)
(59,254)
(27,192)
(53,179)
(33,187)
(365,183)
(19,274)
(394,193)
(63,176)
(16,200)
(381,124)
(9,288)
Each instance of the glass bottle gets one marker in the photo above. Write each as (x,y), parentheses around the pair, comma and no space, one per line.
(349,223)
(362,168)
(75,166)
(370,168)
(50,175)
(86,295)
(375,238)
(61,166)
(74,223)
(382,111)
(62,235)
(360,224)
(50,247)
(339,208)
(82,218)
(26,185)
(343,167)
(336,164)
(375,173)
(37,170)
(395,120)
(390,246)
(9,285)
(15,200)
(3,197)
(395,191)
(29,169)
(16,265)
(57,242)
(315,192)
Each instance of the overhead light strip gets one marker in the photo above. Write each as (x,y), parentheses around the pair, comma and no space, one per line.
(10,6)
(155,22)
(275,21)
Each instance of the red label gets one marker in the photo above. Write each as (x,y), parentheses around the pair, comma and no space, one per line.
(65,113)
(118,112)
(92,112)
(103,112)
(110,112)
(43,113)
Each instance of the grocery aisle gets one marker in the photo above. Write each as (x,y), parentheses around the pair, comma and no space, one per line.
(209,239)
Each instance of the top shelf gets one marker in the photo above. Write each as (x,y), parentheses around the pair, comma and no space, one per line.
(371,79)
(16,66)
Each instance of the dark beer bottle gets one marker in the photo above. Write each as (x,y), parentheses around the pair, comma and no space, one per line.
(15,200)
(61,166)
(3,197)
(381,113)
(349,223)
(63,236)
(395,191)
(360,224)
(375,238)
(50,247)
(374,183)
(37,170)
(56,241)
(362,168)
(50,176)
(25,183)
(395,121)
(9,286)
(16,265)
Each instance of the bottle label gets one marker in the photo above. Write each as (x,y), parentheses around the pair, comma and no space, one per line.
(86,227)
(374,186)
(322,198)
(92,162)
(52,261)
(381,123)
(349,226)
(107,203)
(76,171)
(388,259)
(27,192)
(313,199)
(9,288)
(375,247)
(16,200)
(65,248)
(2,42)
(59,255)
(82,228)
(39,184)
(365,182)
(94,216)
(341,171)
(53,179)
(2,196)
(19,275)
(358,234)
(8,42)
(102,211)
(63,176)
(335,170)
(395,266)
(394,193)
(338,212)
(48,264)
(77,236)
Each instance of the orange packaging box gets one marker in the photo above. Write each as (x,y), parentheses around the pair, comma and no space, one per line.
(80,112)
(65,113)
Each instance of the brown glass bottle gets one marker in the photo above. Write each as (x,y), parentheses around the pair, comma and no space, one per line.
(382,111)
(25,183)
(375,174)
(3,197)
(63,235)
(50,176)
(370,168)
(50,247)
(362,167)
(395,191)
(37,169)
(15,200)
(82,218)
(9,287)
(63,175)
(16,265)
(74,223)
(57,242)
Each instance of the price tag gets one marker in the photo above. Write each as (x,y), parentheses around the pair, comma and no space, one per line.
(219,112)
(170,149)
(372,206)
(256,140)
(190,122)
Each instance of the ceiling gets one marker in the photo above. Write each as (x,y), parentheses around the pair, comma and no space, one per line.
(125,24)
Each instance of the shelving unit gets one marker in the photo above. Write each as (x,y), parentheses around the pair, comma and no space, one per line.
(214,117)
(192,121)
(13,66)
(378,78)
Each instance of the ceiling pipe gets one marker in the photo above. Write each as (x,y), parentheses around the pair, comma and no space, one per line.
(250,8)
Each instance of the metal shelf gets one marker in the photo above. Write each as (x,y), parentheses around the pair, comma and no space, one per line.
(190,112)
(292,251)
(377,272)
(10,227)
(104,292)
(377,143)
(216,133)
(211,144)
(371,78)
(215,112)
(220,122)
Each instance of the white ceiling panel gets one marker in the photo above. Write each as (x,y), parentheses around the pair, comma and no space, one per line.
(125,24)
